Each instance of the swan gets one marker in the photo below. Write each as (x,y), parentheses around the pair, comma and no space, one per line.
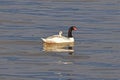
(59,38)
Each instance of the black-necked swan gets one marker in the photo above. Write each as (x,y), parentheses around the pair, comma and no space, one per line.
(59,38)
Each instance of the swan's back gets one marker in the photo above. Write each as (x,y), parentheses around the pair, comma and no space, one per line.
(58,39)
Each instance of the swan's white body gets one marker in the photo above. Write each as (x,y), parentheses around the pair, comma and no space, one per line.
(58,39)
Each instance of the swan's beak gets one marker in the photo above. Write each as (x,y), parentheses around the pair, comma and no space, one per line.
(75,28)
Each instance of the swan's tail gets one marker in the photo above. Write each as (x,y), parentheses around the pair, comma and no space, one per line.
(43,39)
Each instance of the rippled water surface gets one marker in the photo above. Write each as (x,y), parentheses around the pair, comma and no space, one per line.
(95,55)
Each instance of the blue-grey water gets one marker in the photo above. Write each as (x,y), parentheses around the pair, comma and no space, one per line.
(96,51)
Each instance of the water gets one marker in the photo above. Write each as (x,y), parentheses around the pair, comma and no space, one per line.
(95,55)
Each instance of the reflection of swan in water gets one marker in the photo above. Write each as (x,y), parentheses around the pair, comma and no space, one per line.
(57,47)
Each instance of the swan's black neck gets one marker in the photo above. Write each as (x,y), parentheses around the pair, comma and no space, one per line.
(70,33)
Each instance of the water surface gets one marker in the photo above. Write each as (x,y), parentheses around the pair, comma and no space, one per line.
(95,54)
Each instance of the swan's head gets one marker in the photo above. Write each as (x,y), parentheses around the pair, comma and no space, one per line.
(73,28)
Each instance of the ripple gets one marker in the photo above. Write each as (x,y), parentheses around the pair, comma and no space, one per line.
(60,70)
(99,64)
